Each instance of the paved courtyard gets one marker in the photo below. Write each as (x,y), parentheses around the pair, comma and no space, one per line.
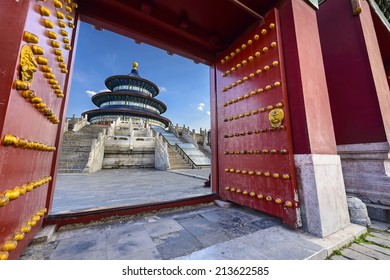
(202,232)
(122,187)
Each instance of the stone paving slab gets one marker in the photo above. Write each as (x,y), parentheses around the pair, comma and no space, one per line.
(216,216)
(130,248)
(186,233)
(237,226)
(44,234)
(206,232)
(78,248)
(376,248)
(181,244)
(78,232)
(379,225)
(382,235)
(147,254)
(353,255)
(39,251)
(339,258)
(377,240)
(266,223)
(100,254)
(162,227)
(127,242)
(196,173)
(276,243)
(338,239)
(369,252)
(120,187)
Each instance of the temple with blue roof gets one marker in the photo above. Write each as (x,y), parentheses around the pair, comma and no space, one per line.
(128,97)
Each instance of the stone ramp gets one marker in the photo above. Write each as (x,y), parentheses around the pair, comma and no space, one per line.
(76,147)
(171,138)
(185,150)
(196,156)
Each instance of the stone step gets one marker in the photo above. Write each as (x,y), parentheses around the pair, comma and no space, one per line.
(80,138)
(76,148)
(176,157)
(79,149)
(181,166)
(76,144)
(369,252)
(70,170)
(70,165)
(378,240)
(177,161)
(75,157)
(74,160)
(44,234)
(75,154)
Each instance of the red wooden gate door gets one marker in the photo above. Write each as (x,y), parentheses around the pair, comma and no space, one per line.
(256,163)
(34,83)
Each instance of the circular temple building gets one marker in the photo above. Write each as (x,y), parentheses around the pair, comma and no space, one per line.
(129,96)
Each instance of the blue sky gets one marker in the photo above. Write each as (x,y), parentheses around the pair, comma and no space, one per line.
(184,85)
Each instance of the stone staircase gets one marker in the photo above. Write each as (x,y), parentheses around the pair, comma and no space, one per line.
(176,161)
(76,147)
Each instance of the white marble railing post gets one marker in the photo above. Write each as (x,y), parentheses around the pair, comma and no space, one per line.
(66,125)
(161,157)
(95,159)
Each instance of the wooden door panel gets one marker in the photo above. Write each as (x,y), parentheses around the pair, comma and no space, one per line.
(256,162)
(33,119)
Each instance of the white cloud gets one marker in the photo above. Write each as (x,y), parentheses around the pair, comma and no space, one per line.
(201,106)
(103,90)
(90,93)
(208,113)
(163,89)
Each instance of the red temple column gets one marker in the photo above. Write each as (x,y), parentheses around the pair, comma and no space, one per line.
(360,99)
(319,174)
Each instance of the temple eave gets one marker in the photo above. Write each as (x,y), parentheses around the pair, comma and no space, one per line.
(123,112)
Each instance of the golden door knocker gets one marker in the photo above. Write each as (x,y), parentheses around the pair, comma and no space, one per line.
(276,117)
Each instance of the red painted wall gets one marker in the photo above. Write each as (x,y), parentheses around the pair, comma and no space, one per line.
(353,95)
(312,127)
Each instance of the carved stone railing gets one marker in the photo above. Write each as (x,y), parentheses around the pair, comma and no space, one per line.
(80,124)
(119,143)
(95,159)
(111,129)
(190,136)
(161,156)
(66,125)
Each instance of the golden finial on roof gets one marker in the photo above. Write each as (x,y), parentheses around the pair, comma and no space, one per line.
(135,65)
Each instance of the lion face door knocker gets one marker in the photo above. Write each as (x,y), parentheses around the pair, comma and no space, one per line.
(276,117)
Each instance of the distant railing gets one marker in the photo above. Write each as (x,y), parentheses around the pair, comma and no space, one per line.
(79,125)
